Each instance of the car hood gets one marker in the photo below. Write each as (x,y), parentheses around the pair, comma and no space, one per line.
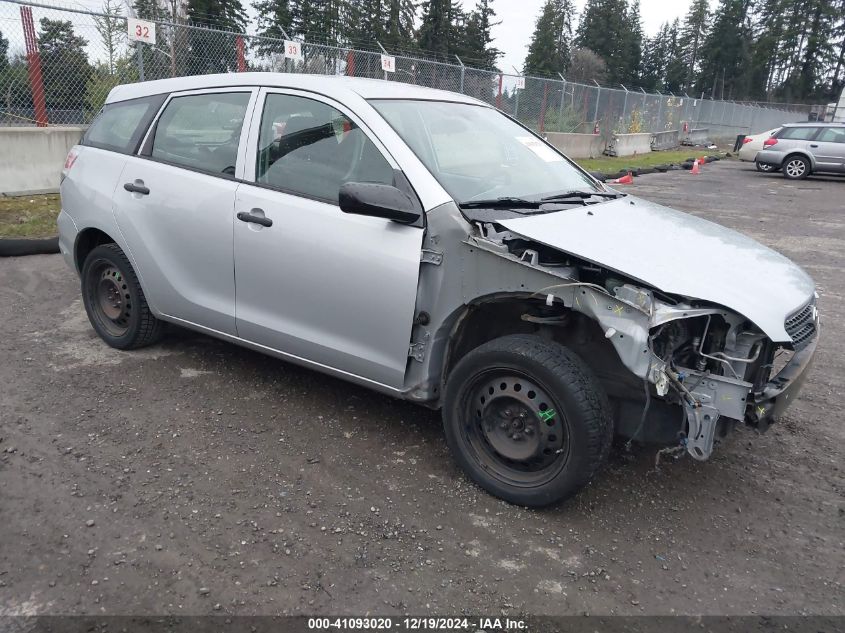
(680,254)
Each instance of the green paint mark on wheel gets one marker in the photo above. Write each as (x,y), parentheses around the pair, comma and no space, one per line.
(547,415)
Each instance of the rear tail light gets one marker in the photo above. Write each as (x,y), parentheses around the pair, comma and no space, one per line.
(769,142)
(69,161)
(747,139)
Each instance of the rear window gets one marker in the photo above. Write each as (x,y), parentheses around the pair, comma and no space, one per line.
(798,133)
(120,126)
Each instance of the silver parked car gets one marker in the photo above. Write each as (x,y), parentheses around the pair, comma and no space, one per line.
(423,244)
(801,149)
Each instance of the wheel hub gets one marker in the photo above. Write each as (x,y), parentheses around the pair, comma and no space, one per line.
(516,426)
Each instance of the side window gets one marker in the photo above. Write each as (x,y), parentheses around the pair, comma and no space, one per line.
(309,148)
(832,135)
(798,133)
(120,126)
(202,131)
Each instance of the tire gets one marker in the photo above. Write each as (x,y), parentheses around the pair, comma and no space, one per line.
(527,420)
(765,167)
(795,167)
(115,302)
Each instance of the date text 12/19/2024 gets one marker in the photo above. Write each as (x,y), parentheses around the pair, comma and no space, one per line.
(416,624)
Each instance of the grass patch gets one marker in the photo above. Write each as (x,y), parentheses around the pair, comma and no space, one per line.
(29,216)
(612,164)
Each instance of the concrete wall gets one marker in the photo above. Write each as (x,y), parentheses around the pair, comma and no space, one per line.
(696,136)
(629,144)
(577,145)
(665,140)
(31,158)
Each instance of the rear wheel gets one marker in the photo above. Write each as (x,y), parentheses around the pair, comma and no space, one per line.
(527,420)
(114,300)
(796,167)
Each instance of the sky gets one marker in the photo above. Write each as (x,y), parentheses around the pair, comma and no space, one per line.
(519,16)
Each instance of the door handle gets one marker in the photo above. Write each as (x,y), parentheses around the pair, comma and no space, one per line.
(133,188)
(814,145)
(243,216)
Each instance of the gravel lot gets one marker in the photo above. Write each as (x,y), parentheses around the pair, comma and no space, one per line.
(195,477)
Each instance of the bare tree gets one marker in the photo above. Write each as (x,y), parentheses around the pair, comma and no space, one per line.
(585,66)
(112,28)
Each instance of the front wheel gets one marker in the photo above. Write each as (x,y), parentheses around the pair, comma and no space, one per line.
(527,420)
(796,168)
(115,302)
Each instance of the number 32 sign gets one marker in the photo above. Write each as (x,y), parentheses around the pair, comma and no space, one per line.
(141,30)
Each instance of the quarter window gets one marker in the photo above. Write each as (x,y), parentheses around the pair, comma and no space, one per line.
(202,131)
(120,126)
(832,135)
(309,148)
(798,133)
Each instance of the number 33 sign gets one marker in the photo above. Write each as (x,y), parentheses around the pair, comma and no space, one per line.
(141,30)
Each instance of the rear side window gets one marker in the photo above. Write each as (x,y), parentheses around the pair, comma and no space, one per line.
(202,131)
(832,135)
(120,126)
(798,133)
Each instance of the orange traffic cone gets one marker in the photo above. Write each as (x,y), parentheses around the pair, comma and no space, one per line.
(702,161)
(627,179)
(695,168)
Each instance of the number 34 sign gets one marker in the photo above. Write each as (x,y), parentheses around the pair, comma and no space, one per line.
(141,30)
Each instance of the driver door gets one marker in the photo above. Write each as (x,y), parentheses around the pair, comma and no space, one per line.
(333,289)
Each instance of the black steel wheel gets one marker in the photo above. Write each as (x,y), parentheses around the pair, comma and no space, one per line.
(526,419)
(114,300)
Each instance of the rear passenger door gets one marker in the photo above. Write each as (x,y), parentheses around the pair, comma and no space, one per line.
(174,204)
(829,149)
(318,284)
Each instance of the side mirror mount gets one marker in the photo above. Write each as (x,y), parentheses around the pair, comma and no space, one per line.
(378,201)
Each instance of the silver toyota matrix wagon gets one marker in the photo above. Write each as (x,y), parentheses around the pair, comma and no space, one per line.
(428,246)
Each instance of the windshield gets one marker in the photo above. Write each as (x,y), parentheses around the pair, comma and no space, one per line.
(478,153)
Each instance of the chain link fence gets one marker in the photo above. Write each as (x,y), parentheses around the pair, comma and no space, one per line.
(60,63)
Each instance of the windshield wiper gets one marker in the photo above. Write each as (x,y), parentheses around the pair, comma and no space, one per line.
(513,203)
(583,195)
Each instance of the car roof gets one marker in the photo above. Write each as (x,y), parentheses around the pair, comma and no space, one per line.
(336,87)
(813,124)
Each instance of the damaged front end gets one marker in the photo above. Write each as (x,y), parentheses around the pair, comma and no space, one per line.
(713,364)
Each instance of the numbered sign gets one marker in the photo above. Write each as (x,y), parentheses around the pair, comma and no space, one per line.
(520,83)
(141,30)
(388,64)
(293,50)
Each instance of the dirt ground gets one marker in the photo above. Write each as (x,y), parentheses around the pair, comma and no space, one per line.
(195,477)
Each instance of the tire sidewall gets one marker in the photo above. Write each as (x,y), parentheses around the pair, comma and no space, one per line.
(106,254)
(575,472)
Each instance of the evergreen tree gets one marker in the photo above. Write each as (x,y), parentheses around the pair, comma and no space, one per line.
(4,52)
(206,54)
(691,37)
(64,64)
(726,52)
(478,47)
(602,30)
(655,58)
(544,57)
(274,21)
(676,68)
(631,45)
(436,27)
(399,30)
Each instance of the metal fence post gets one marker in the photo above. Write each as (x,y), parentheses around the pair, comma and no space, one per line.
(499,94)
(139,53)
(625,108)
(560,108)
(463,70)
(33,63)
(598,97)
(659,123)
